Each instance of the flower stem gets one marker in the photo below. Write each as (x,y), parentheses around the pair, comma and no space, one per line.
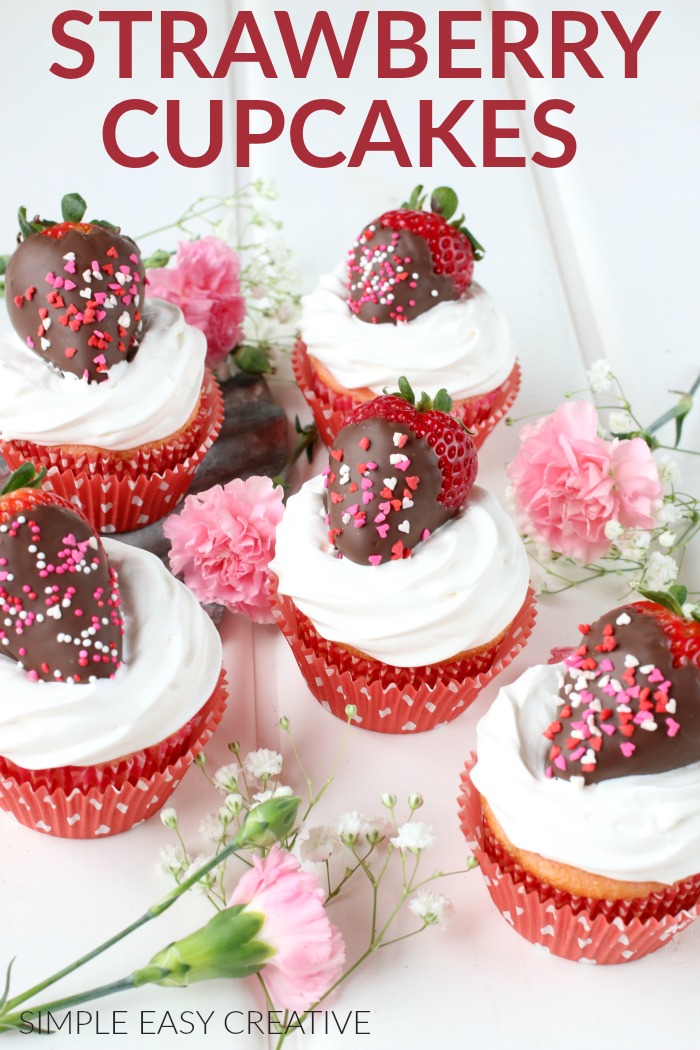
(153,912)
(308,436)
(23,1018)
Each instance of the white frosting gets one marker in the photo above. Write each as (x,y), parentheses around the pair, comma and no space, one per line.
(636,828)
(143,400)
(171,663)
(458,590)
(464,346)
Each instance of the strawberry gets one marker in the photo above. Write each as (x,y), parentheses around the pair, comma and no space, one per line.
(397,471)
(75,291)
(408,260)
(58,594)
(629,702)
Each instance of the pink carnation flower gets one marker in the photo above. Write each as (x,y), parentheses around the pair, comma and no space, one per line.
(223,541)
(569,482)
(308,949)
(205,284)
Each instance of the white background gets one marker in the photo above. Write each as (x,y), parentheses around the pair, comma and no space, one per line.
(595,259)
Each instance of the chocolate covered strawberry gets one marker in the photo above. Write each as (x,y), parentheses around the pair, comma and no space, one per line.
(75,291)
(629,702)
(409,259)
(397,471)
(59,597)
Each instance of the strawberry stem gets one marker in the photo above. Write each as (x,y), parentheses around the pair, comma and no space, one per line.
(672,599)
(25,477)
(442,402)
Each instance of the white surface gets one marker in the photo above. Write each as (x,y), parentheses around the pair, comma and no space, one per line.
(598,258)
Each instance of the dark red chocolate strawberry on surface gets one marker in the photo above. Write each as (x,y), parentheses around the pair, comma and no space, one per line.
(629,702)
(397,471)
(75,292)
(409,260)
(59,597)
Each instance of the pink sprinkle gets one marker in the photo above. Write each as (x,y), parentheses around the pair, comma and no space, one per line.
(134,258)
(401,440)
(579,752)
(656,675)
(30,342)
(59,282)
(607,665)
(371,466)
(607,728)
(367,497)
(403,465)
(425,534)
(69,285)
(560,762)
(633,692)
(672,726)
(354,509)
(375,559)
(70,267)
(642,716)
(50,277)
(628,748)
(126,299)
(359,521)
(100,297)
(367,483)
(380,517)
(586,697)
(383,531)
(33,676)
(548,772)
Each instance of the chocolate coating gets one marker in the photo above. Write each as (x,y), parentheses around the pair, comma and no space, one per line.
(378,510)
(76,300)
(637,713)
(391,277)
(60,596)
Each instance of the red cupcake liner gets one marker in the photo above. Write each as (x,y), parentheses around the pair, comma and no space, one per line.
(101,462)
(577,928)
(480,414)
(94,801)
(395,699)
(119,502)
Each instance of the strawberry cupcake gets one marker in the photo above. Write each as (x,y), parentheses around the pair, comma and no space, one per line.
(110,672)
(106,389)
(584,802)
(405,304)
(401,587)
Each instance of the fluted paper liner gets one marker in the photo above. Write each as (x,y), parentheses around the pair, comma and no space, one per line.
(480,414)
(395,699)
(575,928)
(94,801)
(119,501)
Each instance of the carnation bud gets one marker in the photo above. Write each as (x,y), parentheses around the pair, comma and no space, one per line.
(234,746)
(389,801)
(415,801)
(269,822)
(284,723)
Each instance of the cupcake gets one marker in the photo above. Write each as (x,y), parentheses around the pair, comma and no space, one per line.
(110,672)
(104,388)
(401,587)
(405,304)
(584,802)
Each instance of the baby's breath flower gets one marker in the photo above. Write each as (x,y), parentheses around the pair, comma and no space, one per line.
(667,539)
(280,791)
(210,828)
(621,423)
(173,860)
(226,777)
(234,802)
(263,764)
(669,472)
(600,375)
(413,837)
(320,843)
(613,529)
(661,570)
(350,827)
(207,881)
(433,908)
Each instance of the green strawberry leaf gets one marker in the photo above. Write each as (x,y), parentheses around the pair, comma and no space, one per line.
(25,477)
(424,403)
(696,615)
(664,598)
(444,202)
(442,401)
(105,224)
(406,390)
(679,592)
(72,207)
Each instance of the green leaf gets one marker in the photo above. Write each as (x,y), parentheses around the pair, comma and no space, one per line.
(414,202)
(442,401)
(696,615)
(6,989)
(25,477)
(4,260)
(72,207)
(25,228)
(679,592)
(252,360)
(444,202)
(479,250)
(424,402)
(157,259)
(664,598)
(406,390)
(105,224)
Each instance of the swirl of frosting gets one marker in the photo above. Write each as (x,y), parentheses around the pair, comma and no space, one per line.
(464,346)
(172,659)
(144,400)
(633,828)
(460,589)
